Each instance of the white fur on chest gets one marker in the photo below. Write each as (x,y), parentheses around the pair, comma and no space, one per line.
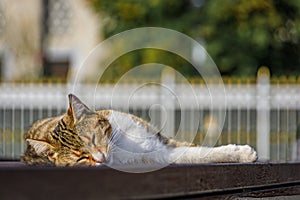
(133,141)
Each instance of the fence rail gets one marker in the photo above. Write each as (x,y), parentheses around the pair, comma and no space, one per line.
(264,115)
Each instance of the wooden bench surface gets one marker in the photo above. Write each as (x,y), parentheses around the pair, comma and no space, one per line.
(217,181)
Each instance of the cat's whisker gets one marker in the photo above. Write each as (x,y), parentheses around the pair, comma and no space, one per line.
(114,138)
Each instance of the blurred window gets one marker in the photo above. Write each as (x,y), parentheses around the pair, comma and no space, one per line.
(2,19)
(59,16)
(1,67)
(57,64)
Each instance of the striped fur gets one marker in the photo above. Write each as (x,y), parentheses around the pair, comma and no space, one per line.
(69,139)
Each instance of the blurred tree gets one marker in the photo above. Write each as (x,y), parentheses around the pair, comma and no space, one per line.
(240,35)
(243,35)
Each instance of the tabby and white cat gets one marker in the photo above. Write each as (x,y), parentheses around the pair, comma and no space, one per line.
(86,137)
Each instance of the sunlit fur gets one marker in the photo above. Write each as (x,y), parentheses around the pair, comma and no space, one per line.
(86,137)
(68,139)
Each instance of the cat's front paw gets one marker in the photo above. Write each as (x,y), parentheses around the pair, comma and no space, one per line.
(246,153)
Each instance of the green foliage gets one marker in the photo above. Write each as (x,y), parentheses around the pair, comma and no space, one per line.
(244,35)
(240,35)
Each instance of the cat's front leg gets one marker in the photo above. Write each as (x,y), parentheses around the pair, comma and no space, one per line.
(235,153)
(222,154)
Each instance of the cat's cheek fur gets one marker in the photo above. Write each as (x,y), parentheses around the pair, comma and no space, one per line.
(53,158)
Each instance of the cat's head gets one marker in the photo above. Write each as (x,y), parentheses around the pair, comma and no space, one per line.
(80,137)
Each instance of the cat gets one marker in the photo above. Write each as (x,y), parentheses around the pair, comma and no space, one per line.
(86,137)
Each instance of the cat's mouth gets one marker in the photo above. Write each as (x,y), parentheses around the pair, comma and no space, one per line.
(99,157)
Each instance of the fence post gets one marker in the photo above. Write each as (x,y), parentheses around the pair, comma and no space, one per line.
(298,143)
(263,114)
(168,102)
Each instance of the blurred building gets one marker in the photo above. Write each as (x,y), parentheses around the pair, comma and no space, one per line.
(45,38)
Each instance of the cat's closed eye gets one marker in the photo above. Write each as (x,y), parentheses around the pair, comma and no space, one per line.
(82,158)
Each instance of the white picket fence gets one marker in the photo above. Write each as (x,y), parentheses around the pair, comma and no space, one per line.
(263,115)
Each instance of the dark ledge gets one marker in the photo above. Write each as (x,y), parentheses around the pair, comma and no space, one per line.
(216,181)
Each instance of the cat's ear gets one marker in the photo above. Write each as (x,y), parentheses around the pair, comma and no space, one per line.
(40,147)
(77,109)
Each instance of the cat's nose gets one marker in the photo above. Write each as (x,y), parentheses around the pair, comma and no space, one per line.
(99,157)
